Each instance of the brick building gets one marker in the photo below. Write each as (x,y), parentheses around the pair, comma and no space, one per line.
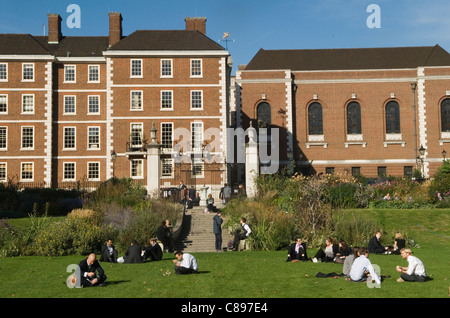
(365,111)
(76,109)
(81,108)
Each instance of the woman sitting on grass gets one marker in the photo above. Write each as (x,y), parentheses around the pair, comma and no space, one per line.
(329,254)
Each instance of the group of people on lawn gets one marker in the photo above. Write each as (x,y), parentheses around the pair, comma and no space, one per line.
(92,274)
(356,264)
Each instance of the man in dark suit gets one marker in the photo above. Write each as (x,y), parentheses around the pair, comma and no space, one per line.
(153,251)
(217,229)
(297,251)
(109,253)
(133,253)
(374,244)
(91,273)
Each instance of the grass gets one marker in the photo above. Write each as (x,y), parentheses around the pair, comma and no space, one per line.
(247,274)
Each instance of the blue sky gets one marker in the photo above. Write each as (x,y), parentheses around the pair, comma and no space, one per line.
(253,24)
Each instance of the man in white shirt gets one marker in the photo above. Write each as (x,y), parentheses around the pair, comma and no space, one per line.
(361,267)
(185,263)
(415,272)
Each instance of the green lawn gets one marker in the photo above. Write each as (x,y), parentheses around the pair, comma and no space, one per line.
(247,274)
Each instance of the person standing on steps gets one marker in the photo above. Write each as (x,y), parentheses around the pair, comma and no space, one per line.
(217,228)
(226,193)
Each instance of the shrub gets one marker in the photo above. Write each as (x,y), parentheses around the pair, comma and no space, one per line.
(124,192)
(313,210)
(70,236)
(441,181)
(353,229)
(272,228)
(139,222)
(8,239)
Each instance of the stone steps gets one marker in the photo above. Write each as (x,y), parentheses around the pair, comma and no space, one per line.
(197,234)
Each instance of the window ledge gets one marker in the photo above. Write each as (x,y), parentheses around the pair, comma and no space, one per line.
(309,144)
(350,143)
(403,143)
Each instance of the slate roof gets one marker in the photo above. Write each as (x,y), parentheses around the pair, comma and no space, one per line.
(350,59)
(20,44)
(93,46)
(78,46)
(155,40)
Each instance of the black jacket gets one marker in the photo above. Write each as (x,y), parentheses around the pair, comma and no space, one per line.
(94,268)
(293,255)
(105,256)
(133,254)
(154,252)
(375,246)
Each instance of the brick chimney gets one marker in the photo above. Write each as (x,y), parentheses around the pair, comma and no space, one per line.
(196,24)
(115,27)
(54,28)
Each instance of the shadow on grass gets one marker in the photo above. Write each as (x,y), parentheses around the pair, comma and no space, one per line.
(114,282)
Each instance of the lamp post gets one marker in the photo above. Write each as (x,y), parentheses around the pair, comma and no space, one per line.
(113,158)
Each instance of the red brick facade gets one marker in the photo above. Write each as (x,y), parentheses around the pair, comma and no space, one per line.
(85,97)
(68,103)
(372,152)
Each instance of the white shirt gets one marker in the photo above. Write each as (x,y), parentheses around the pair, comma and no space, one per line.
(189,261)
(247,229)
(415,266)
(359,266)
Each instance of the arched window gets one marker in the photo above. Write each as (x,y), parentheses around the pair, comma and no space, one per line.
(392,118)
(445,115)
(353,118)
(263,116)
(315,122)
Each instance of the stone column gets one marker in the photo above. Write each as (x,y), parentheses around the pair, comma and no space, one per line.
(251,162)
(153,165)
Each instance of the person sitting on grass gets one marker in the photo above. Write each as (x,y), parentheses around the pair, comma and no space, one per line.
(185,263)
(415,272)
(348,262)
(153,251)
(344,251)
(109,252)
(92,274)
(362,267)
(132,255)
(399,244)
(375,247)
(329,254)
(297,251)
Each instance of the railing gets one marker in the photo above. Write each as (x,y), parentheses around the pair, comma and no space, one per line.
(70,185)
(135,147)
